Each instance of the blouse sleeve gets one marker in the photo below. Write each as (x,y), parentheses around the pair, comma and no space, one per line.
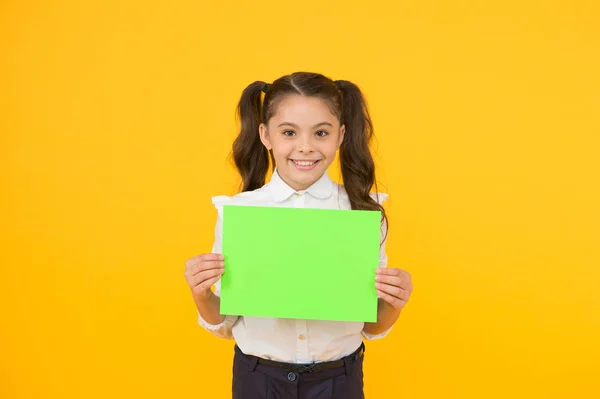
(223,329)
(383,260)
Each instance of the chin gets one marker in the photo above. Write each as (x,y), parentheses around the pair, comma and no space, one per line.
(303,178)
(307,177)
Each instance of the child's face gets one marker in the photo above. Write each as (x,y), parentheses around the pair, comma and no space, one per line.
(304,136)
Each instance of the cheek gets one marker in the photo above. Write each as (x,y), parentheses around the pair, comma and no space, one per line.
(281,150)
(330,150)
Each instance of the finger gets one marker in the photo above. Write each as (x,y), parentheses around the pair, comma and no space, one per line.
(402,274)
(211,257)
(200,278)
(203,257)
(206,284)
(401,282)
(395,302)
(391,280)
(388,271)
(393,290)
(202,266)
(193,270)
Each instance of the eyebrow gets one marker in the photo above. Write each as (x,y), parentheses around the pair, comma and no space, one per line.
(294,125)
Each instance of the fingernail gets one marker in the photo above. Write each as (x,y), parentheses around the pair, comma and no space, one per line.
(377,278)
(377,285)
(221,257)
(222,264)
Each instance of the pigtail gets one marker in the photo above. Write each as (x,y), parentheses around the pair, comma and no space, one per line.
(249,154)
(356,161)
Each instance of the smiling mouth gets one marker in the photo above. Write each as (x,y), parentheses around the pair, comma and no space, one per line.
(304,164)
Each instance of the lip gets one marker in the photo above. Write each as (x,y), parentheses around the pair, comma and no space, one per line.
(315,162)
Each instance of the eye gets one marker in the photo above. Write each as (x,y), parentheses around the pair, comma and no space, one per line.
(289,133)
(322,133)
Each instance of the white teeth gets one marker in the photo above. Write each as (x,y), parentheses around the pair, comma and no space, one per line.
(304,163)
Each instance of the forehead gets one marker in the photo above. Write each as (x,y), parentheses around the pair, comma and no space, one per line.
(303,110)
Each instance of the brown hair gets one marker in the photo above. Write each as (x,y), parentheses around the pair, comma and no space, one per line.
(345,100)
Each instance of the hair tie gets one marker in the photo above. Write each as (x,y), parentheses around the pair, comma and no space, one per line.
(265,87)
(338,84)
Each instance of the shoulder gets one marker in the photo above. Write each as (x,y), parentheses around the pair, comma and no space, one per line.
(257,197)
(377,196)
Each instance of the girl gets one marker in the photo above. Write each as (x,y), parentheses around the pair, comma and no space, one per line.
(298,128)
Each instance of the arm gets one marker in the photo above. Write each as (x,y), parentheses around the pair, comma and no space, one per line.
(394,287)
(386,317)
(387,313)
(208,308)
(210,317)
(201,273)
(207,302)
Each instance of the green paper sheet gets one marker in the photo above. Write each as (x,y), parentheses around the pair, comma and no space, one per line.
(300,263)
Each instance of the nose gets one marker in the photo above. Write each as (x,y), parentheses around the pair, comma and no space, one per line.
(305,145)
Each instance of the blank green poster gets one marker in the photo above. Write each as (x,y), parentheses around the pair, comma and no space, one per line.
(300,263)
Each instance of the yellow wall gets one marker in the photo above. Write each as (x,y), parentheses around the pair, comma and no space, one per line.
(116,121)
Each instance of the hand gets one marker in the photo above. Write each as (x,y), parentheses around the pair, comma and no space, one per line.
(394,286)
(202,272)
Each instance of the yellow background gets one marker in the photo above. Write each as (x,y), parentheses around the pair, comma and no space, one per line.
(116,121)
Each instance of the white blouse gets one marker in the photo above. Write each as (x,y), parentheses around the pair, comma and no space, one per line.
(291,340)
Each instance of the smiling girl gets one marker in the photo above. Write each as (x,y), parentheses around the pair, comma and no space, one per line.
(299,126)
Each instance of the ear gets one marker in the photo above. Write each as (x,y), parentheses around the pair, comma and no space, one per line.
(342,134)
(264,136)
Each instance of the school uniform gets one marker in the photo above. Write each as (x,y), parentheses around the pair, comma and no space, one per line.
(289,358)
